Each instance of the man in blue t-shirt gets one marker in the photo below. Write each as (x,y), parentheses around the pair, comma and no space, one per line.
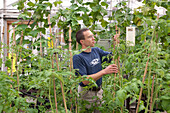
(88,62)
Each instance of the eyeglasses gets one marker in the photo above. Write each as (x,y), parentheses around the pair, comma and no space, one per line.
(91,36)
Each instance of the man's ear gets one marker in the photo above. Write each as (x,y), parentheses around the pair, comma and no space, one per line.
(81,41)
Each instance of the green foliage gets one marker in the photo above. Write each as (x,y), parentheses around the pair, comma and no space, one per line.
(37,76)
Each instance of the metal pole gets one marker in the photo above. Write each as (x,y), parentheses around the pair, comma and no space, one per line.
(4,6)
(2,36)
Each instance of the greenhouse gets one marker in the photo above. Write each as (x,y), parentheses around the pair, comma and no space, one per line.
(84,56)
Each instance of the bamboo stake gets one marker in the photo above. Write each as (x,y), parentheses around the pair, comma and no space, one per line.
(152,94)
(143,83)
(151,100)
(19,52)
(12,52)
(40,50)
(71,61)
(145,72)
(117,63)
(52,64)
(41,53)
(71,64)
(77,45)
(118,59)
(148,98)
(61,84)
(75,98)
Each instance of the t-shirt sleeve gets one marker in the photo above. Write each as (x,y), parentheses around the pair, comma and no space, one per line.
(105,53)
(79,64)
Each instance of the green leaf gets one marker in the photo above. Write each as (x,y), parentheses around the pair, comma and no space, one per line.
(121,94)
(34,33)
(30,4)
(16,22)
(133,100)
(59,2)
(134,87)
(41,100)
(74,6)
(33,24)
(55,3)
(67,73)
(84,9)
(42,30)
(1,108)
(104,23)
(140,83)
(8,63)
(21,27)
(104,4)
(0,61)
(29,14)
(166,104)
(80,1)
(141,107)
(99,17)
(59,77)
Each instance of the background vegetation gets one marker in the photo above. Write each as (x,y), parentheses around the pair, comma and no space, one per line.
(143,68)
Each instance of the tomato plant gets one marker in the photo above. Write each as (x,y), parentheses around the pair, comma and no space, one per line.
(143,70)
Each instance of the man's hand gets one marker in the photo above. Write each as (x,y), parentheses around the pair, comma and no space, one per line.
(111,69)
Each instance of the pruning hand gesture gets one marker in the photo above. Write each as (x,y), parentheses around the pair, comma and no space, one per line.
(111,69)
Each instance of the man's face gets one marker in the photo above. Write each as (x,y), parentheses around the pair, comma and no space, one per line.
(89,39)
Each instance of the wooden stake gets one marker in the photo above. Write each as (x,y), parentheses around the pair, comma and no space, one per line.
(12,52)
(19,52)
(61,84)
(41,53)
(118,59)
(151,100)
(71,61)
(143,83)
(49,23)
(71,66)
(117,63)
(77,45)
(152,93)
(153,34)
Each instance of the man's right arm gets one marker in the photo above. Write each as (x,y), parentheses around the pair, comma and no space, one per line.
(108,70)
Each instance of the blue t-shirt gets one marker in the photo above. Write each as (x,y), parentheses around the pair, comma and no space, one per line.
(89,63)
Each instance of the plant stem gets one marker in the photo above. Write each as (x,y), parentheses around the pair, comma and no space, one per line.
(153,100)
(52,62)
(143,83)
(146,110)
(50,95)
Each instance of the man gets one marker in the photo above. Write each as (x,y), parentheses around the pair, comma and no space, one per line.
(88,62)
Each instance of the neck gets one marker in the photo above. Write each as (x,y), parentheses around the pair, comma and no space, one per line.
(86,49)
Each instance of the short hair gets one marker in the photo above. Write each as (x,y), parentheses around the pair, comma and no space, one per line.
(80,35)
